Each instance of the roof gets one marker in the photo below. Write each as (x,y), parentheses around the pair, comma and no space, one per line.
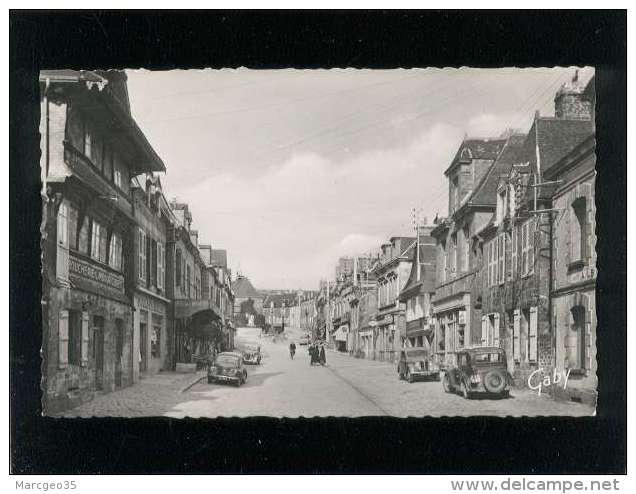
(486,190)
(112,88)
(243,288)
(477,149)
(555,138)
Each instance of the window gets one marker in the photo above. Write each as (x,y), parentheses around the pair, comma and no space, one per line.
(501,261)
(161,269)
(493,259)
(155,342)
(527,247)
(62,225)
(142,254)
(62,337)
(117,177)
(98,242)
(575,340)
(82,243)
(88,141)
(466,251)
(177,267)
(74,337)
(453,254)
(72,226)
(188,281)
(115,251)
(579,230)
(154,262)
(516,335)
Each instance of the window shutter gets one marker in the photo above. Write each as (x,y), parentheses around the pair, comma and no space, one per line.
(484,330)
(62,335)
(514,253)
(588,339)
(84,347)
(589,219)
(496,331)
(532,337)
(516,350)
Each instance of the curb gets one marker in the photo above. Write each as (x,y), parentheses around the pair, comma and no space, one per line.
(192,383)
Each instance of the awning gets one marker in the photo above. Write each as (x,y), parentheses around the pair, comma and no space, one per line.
(341,333)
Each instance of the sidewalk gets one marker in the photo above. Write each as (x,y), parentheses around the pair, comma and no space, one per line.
(152,395)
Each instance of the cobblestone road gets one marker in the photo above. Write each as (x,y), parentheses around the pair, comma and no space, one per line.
(284,387)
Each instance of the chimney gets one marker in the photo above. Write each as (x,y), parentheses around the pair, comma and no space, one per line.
(570,103)
(194,238)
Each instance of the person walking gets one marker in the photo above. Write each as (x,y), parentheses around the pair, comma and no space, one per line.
(323,356)
(292,349)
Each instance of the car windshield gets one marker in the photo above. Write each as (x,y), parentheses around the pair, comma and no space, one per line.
(487,358)
(227,360)
(250,348)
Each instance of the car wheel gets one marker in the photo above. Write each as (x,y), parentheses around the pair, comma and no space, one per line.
(465,393)
(446,384)
(495,381)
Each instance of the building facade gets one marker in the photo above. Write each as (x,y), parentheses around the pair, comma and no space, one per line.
(392,272)
(419,290)
(91,146)
(456,305)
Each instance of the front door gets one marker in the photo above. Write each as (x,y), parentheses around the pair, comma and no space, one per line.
(143,347)
(98,351)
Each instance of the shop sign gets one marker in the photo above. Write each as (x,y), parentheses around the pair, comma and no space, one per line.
(461,318)
(85,269)
(385,320)
(150,304)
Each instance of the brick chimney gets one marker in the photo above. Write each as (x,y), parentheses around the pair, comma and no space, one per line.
(570,102)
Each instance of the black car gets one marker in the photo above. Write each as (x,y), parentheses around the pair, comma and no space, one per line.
(417,363)
(479,370)
(228,367)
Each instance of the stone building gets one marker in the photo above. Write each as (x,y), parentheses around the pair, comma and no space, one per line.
(419,290)
(197,321)
(573,296)
(248,303)
(392,272)
(225,296)
(276,310)
(455,305)
(91,146)
(153,217)
(516,243)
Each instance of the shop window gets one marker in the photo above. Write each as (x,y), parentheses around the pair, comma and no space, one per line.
(155,342)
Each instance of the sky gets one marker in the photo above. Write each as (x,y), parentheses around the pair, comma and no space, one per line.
(290,169)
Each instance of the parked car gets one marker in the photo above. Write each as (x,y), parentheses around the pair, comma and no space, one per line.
(417,363)
(479,370)
(228,367)
(252,354)
(304,340)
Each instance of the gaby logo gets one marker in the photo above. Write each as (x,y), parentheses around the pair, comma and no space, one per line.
(540,379)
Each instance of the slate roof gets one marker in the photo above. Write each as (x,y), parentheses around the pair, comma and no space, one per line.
(243,288)
(290,300)
(485,149)
(486,190)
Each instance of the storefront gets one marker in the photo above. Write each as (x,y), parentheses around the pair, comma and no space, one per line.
(151,338)
(341,337)
(452,317)
(387,332)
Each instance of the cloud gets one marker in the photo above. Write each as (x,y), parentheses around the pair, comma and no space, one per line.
(487,125)
(287,227)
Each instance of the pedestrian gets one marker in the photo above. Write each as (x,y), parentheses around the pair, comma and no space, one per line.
(292,349)
(323,357)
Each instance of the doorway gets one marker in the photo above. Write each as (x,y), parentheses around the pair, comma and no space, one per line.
(143,346)
(98,351)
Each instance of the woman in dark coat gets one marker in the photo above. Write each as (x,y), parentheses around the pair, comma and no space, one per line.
(323,357)
(312,353)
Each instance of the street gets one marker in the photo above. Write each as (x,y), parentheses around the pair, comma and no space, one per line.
(281,387)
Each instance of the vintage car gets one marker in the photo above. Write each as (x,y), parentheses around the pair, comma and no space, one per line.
(479,370)
(417,363)
(228,367)
(252,354)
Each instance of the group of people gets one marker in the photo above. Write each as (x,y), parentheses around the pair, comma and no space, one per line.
(317,354)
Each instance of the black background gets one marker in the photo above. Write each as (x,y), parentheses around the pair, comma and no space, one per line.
(363,39)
